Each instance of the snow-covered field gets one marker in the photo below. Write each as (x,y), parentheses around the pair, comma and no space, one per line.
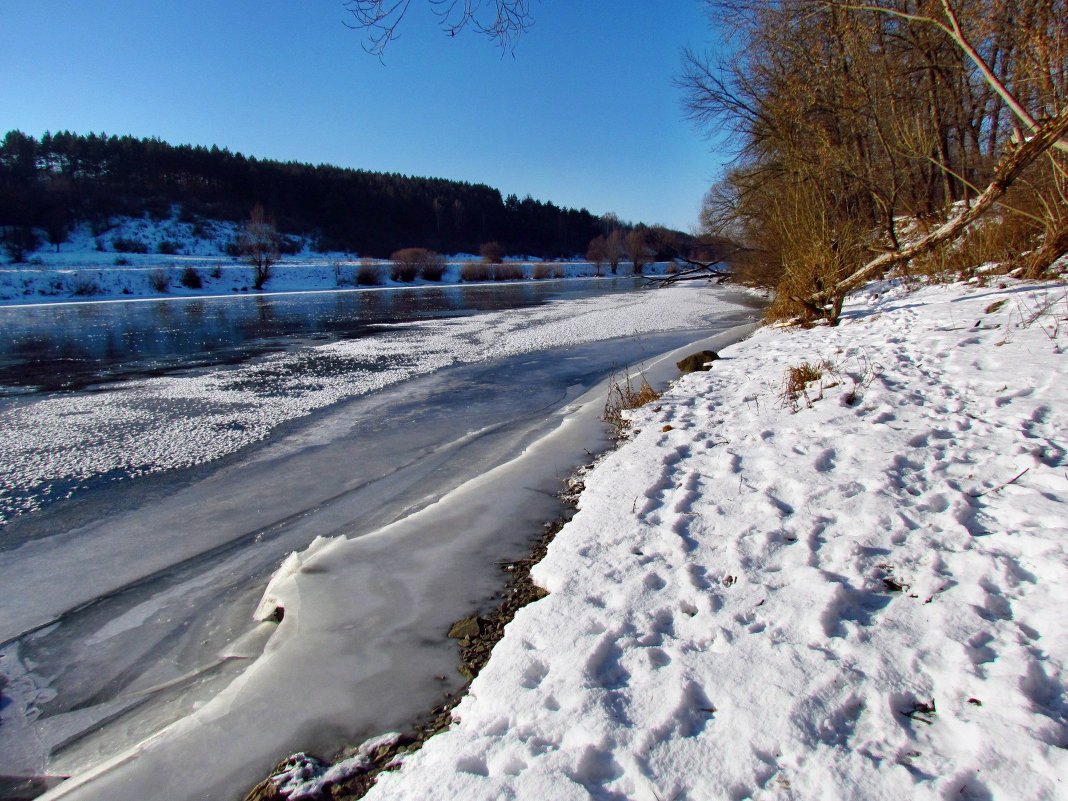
(856,593)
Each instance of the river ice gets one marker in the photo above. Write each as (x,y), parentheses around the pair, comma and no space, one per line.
(105,623)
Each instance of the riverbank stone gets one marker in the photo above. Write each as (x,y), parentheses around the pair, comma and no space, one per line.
(697,362)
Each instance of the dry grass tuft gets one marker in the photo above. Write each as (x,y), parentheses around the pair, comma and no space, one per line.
(796,382)
(547,270)
(473,271)
(507,272)
(622,396)
(369,274)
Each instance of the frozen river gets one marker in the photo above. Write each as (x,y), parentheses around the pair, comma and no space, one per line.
(157,474)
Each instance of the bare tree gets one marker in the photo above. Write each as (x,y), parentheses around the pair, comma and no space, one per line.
(637,249)
(259,243)
(597,252)
(615,249)
(853,115)
(503,21)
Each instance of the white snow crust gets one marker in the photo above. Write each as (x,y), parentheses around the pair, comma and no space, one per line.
(857,595)
(54,443)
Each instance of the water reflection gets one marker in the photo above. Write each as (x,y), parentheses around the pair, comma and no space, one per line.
(67,346)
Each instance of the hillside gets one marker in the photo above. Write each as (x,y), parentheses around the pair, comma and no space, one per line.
(55,182)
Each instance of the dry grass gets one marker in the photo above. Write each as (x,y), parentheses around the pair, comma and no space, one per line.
(473,271)
(547,270)
(796,383)
(623,396)
(507,272)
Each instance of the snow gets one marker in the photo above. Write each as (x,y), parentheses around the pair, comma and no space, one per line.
(56,443)
(88,268)
(857,592)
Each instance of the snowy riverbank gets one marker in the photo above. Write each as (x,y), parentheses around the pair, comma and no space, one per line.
(87,268)
(856,594)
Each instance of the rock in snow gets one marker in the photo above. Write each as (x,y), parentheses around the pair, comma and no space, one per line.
(853,590)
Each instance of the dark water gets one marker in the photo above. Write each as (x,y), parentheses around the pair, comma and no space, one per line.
(71,345)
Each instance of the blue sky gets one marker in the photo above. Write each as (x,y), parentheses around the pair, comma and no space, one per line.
(584,112)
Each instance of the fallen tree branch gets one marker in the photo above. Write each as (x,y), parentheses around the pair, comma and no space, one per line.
(1010,167)
(698,270)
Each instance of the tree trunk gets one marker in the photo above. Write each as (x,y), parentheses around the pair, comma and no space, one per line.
(1010,167)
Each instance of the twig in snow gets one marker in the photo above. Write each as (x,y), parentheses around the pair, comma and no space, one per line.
(1012,480)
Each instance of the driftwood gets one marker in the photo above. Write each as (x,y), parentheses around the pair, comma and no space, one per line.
(697,270)
(1010,167)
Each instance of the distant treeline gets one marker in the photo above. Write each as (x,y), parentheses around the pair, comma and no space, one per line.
(61,179)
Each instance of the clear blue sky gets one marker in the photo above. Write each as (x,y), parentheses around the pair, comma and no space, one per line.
(584,113)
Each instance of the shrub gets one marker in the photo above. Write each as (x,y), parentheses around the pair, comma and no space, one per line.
(434,268)
(20,240)
(290,245)
(84,286)
(159,280)
(167,247)
(547,270)
(507,272)
(159,209)
(369,274)
(410,263)
(190,278)
(473,271)
(258,244)
(404,273)
(122,244)
(491,253)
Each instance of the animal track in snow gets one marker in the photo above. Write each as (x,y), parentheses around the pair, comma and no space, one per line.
(534,674)
(603,666)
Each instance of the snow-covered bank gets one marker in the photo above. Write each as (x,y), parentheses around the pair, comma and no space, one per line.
(856,592)
(86,268)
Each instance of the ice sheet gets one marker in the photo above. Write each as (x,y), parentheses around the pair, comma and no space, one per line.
(362,638)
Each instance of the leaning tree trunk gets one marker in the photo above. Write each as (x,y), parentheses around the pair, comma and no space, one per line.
(1010,167)
(1054,245)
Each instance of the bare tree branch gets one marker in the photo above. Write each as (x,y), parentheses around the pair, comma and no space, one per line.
(953,29)
(504,21)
